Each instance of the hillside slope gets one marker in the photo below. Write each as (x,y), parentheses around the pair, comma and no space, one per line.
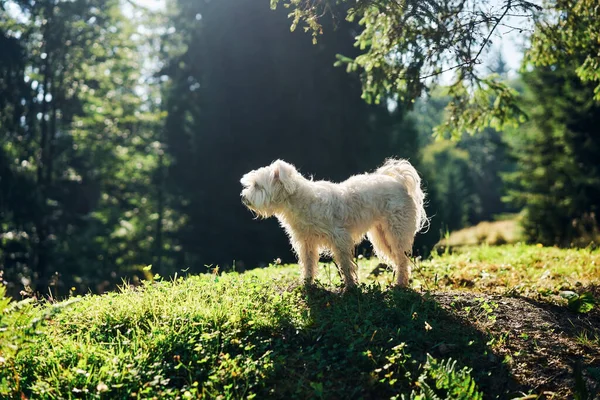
(487,321)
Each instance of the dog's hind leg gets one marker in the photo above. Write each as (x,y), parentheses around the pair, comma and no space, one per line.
(382,247)
(390,247)
(402,269)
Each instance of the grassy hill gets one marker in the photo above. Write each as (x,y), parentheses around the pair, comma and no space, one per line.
(488,322)
(503,231)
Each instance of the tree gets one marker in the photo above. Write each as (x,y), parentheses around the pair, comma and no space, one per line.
(406,44)
(80,147)
(447,168)
(568,31)
(16,186)
(481,158)
(558,178)
(489,159)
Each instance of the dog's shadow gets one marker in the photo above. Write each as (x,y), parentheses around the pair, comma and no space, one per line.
(357,337)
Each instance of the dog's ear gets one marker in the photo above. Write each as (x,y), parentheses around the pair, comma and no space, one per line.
(285,173)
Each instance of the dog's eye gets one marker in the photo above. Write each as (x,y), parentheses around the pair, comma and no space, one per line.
(257,186)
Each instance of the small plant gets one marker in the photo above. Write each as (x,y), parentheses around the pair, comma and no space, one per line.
(447,242)
(588,340)
(580,303)
(488,309)
(394,368)
(442,380)
(499,341)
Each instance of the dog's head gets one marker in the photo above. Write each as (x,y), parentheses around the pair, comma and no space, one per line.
(267,188)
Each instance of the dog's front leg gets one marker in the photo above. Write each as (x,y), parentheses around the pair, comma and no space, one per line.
(308,255)
(343,251)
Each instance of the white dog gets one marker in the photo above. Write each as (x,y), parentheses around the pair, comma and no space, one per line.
(325,217)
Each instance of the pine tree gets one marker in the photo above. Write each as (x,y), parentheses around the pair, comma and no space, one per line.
(79,147)
(558,176)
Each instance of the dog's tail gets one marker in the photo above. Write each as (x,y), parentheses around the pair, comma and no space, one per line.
(404,172)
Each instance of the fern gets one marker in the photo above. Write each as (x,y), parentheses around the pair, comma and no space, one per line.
(442,380)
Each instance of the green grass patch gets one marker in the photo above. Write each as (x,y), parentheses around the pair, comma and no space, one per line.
(517,269)
(260,334)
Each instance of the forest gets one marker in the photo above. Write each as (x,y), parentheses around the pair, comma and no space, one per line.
(125,127)
(129,267)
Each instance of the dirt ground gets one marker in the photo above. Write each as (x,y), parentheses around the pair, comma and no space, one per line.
(550,350)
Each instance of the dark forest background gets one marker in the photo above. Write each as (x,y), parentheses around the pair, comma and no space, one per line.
(124,133)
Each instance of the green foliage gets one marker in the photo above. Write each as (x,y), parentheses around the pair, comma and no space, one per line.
(238,336)
(448,169)
(581,303)
(569,30)
(244,335)
(442,380)
(18,328)
(80,149)
(557,180)
(521,269)
(464,174)
(405,46)
(491,104)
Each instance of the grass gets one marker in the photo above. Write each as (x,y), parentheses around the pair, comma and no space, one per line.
(517,269)
(505,230)
(262,335)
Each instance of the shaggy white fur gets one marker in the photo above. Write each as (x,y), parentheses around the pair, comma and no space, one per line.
(324,217)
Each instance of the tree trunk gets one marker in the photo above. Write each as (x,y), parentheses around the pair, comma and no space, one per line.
(53,127)
(43,123)
(41,258)
(160,201)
